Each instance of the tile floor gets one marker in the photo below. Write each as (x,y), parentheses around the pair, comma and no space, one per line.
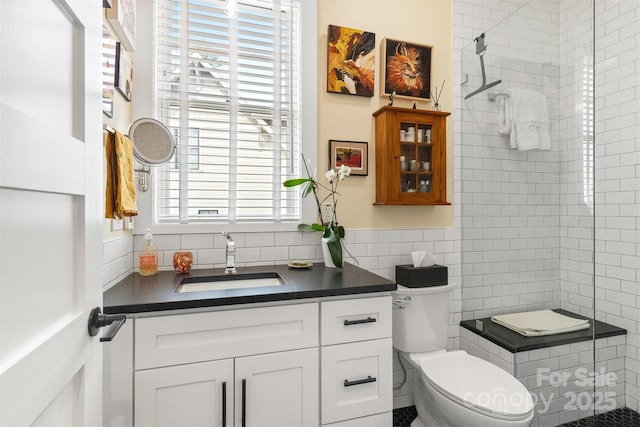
(402,417)
(622,417)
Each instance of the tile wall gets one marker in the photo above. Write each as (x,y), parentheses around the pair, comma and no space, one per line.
(510,203)
(617,195)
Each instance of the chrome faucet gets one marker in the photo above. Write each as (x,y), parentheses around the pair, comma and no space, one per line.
(231,254)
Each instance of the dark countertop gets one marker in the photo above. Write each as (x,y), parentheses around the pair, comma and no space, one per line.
(514,342)
(138,294)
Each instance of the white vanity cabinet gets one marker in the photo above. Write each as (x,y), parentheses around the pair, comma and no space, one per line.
(242,367)
(275,389)
(258,366)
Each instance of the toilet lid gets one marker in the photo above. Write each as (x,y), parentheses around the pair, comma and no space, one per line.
(478,384)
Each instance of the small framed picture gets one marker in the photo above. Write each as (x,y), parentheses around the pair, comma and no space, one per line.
(124,72)
(406,69)
(349,153)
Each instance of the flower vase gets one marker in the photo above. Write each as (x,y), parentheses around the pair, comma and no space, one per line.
(328,261)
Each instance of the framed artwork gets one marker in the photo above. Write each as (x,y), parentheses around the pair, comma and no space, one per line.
(124,72)
(351,61)
(108,71)
(406,69)
(349,153)
(122,17)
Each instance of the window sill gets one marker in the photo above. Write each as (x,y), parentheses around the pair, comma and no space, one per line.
(204,228)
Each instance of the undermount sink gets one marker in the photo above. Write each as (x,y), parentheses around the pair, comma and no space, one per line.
(231,281)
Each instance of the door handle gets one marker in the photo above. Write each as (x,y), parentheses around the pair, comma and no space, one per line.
(98,320)
(224,404)
(244,403)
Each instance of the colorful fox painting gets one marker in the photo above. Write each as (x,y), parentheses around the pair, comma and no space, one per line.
(407,69)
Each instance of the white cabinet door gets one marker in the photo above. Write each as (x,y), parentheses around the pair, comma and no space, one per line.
(198,394)
(278,389)
(50,212)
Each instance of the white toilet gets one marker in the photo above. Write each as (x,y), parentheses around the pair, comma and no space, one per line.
(455,388)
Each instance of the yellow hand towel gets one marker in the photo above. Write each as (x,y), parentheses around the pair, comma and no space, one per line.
(120,196)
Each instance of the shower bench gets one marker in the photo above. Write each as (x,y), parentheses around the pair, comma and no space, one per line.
(558,370)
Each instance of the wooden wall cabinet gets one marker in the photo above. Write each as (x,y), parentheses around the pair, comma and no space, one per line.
(411,157)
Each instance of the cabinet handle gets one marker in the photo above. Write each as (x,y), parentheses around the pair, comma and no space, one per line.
(369,379)
(224,404)
(358,321)
(244,403)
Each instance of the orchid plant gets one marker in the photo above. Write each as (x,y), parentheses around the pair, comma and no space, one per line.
(332,232)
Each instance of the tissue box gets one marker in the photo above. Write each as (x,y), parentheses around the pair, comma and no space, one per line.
(420,277)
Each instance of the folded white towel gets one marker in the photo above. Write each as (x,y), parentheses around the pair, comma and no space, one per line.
(524,116)
(541,322)
(504,120)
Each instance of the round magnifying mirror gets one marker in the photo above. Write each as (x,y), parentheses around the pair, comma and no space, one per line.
(152,141)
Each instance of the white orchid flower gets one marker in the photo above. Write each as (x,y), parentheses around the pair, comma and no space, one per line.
(331,174)
(343,172)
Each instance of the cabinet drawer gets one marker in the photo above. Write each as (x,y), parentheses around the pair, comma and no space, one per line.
(379,420)
(356,380)
(189,338)
(355,320)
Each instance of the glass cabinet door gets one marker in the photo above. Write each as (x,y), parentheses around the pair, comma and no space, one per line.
(415,157)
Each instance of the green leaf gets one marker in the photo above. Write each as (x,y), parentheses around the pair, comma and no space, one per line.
(317,227)
(308,188)
(296,181)
(335,249)
(340,232)
(305,227)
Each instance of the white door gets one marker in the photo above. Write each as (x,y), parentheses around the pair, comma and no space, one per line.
(50,211)
(196,394)
(278,389)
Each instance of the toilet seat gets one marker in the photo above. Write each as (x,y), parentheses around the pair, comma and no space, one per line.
(477,384)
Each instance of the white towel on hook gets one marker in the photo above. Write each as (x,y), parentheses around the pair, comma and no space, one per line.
(504,113)
(524,115)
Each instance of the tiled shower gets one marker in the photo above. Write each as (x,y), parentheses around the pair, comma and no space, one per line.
(559,228)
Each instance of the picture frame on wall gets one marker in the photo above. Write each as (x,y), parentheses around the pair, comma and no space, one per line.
(122,18)
(349,153)
(351,61)
(108,71)
(124,72)
(406,69)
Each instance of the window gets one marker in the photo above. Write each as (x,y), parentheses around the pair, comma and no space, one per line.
(194,149)
(227,86)
(587,132)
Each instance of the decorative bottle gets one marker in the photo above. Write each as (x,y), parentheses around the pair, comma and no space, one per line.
(149,256)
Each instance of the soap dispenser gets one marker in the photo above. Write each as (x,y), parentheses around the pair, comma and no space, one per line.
(148,256)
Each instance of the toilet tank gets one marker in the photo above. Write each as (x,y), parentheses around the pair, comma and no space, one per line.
(423,324)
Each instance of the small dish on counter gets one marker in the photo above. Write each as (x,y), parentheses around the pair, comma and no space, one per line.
(300,264)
